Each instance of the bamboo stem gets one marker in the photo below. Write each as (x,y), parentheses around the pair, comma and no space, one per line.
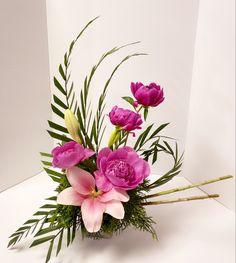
(191,198)
(170,191)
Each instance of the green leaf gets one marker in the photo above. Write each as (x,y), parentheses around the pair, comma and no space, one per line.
(59,86)
(62,73)
(68,236)
(23,228)
(71,89)
(49,206)
(17,234)
(154,158)
(59,242)
(47,230)
(72,100)
(59,136)
(176,151)
(52,198)
(84,92)
(42,240)
(13,241)
(129,100)
(80,118)
(73,230)
(57,111)
(55,179)
(145,134)
(65,60)
(31,221)
(46,163)
(41,213)
(161,147)
(160,128)
(75,107)
(169,148)
(59,102)
(45,154)
(138,141)
(49,251)
(52,172)
(71,46)
(57,127)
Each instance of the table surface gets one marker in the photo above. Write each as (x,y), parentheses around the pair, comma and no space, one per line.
(189,232)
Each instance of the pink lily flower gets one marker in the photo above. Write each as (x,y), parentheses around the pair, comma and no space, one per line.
(93,203)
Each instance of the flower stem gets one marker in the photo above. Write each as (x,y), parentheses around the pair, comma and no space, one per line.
(170,191)
(139,109)
(191,198)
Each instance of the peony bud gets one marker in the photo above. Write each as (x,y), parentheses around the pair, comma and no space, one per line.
(72,125)
(126,120)
(147,95)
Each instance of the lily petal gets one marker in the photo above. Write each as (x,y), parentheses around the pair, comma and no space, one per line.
(82,181)
(92,214)
(115,209)
(115,194)
(70,197)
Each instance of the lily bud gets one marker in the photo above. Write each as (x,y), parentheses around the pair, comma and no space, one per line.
(115,135)
(72,125)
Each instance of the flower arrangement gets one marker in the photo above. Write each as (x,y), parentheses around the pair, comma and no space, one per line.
(102,190)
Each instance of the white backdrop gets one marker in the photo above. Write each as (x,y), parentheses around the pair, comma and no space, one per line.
(24,89)
(210,146)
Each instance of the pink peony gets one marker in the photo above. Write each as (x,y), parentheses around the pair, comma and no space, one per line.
(126,119)
(70,154)
(93,203)
(121,168)
(147,95)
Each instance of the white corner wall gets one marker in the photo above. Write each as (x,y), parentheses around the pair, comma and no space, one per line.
(210,145)
(24,89)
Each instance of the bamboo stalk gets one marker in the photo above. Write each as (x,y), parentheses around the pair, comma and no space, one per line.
(184,199)
(170,191)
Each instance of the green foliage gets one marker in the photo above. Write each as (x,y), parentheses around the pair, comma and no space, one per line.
(176,168)
(129,100)
(39,219)
(144,138)
(96,127)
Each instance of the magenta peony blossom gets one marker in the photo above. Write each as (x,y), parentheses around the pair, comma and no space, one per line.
(126,119)
(147,95)
(122,168)
(93,202)
(70,154)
